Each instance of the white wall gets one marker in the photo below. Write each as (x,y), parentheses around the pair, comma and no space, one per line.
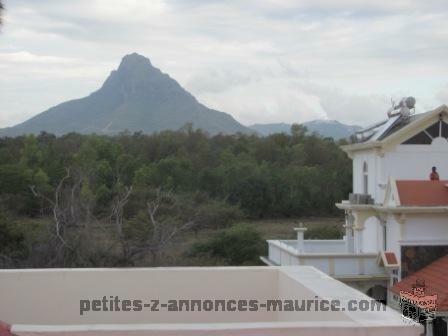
(404,162)
(47,300)
(428,227)
(393,235)
(53,296)
(372,236)
(408,162)
(358,175)
(418,229)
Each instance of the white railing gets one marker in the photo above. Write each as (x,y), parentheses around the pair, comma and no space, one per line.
(315,245)
(325,246)
(334,263)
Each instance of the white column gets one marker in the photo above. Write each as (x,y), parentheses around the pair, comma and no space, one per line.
(349,238)
(300,238)
(358,239)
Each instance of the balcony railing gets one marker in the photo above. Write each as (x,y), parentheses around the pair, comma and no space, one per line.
(328,256)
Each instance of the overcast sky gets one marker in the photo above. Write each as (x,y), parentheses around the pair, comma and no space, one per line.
(259,60)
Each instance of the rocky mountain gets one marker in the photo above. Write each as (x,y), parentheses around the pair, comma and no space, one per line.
(325,128)
(135,97)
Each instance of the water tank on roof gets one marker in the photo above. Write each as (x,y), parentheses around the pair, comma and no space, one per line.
(410,102)
(403,108)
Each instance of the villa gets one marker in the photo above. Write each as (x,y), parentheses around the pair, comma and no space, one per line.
(396,227)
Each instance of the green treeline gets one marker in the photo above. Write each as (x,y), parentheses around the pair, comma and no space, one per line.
(276,176)
(149,188)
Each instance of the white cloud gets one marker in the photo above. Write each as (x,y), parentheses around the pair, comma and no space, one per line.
(260,60)
(442,95)
(26,57)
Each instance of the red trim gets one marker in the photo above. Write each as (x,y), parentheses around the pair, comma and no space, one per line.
(5,329)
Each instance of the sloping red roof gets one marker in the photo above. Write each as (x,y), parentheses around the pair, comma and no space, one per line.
(387,259)
(391,258)
(422,193)
(435,276)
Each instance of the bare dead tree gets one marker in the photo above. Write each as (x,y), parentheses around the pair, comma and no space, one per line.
(163,232)
(163,229)
(68,213)
(59,215)
(119,203)
(117,215)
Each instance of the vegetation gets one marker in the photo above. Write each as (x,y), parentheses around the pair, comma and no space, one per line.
(89,200)
(324,232)
(238,245)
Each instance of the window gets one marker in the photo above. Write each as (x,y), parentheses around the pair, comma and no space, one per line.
(425,137)
(365,173)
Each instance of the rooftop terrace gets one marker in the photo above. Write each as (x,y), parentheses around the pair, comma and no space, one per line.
(47,302)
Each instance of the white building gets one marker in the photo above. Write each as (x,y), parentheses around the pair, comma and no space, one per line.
(396,218)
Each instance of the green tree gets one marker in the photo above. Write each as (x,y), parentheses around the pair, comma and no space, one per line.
(13,248)
(238,245)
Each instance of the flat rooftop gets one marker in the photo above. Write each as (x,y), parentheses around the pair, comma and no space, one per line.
(61,302)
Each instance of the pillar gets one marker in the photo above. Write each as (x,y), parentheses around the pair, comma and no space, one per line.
(349,238)
(300,238)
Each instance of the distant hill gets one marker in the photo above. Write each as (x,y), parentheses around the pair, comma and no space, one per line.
(268,129)
(325,128)
(135,97)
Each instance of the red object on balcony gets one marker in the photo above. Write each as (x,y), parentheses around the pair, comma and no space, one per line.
(5,329)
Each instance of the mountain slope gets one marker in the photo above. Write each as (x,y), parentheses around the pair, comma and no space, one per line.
(331,128)
(135,97)
(268,129)
(325,128)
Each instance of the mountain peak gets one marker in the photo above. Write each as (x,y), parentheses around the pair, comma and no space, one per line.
(135,97)
(135,63)
(134,74)
(134,60)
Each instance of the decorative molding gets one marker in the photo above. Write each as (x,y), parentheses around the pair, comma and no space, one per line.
(400,217)
(423,242)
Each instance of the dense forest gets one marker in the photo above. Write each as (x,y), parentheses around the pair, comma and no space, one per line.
(90,200)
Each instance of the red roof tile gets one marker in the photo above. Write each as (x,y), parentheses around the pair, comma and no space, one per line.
(391,258)
(435,276)
(423,193)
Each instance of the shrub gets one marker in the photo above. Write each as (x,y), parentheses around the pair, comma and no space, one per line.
(12,244)
(324,232)
(237,245)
